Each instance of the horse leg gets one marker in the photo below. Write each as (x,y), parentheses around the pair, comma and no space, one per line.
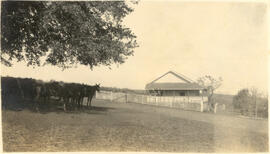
(87,103)
(72,103)
(76,103)
(90,101)
(37,105)
(81,102)
(64,105)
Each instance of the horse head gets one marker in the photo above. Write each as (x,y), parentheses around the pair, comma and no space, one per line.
(97,87)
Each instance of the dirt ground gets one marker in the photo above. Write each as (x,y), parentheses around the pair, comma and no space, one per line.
(131,127)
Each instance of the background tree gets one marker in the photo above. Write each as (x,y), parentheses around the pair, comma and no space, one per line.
(251,102)
(211,84)
(65,33)
(241,101)
(253,107)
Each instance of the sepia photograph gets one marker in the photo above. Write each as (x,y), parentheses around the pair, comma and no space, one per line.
(134,76)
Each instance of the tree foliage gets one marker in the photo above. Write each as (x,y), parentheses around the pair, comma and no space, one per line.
(250,102)
(90,33)
(210,84)
(241,100)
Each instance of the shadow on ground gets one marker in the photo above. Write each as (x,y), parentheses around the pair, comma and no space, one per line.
(17,104)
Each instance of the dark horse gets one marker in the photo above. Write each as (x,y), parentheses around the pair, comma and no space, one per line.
(90,93)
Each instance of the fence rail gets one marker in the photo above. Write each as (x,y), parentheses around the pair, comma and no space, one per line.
(195,103)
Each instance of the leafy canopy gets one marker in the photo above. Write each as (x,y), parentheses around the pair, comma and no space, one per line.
(241,99)
(210,83)
(90,33)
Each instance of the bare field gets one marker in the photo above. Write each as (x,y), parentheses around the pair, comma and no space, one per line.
(131,127)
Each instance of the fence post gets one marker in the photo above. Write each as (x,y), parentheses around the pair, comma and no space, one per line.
(215,109)
(201,105)
(142,99)
(126,98)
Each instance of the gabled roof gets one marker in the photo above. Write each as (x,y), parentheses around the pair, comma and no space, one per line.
(180,76)
(188,85)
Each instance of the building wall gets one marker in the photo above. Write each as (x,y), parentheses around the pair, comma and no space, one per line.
(176,92)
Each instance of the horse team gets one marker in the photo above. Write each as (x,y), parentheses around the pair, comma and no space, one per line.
(70,95)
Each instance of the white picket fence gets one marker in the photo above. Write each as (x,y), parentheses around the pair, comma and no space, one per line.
(195,103)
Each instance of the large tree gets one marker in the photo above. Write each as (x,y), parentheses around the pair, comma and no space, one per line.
(90,33)
(251,102)
(241,100)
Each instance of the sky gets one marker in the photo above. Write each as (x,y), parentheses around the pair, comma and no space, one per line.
(221,39)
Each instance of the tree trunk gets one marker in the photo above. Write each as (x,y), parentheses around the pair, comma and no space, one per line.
(210,102)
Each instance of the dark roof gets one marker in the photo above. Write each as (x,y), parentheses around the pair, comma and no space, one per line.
(173,86)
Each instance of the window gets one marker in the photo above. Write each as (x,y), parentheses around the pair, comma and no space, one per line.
(182,94)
